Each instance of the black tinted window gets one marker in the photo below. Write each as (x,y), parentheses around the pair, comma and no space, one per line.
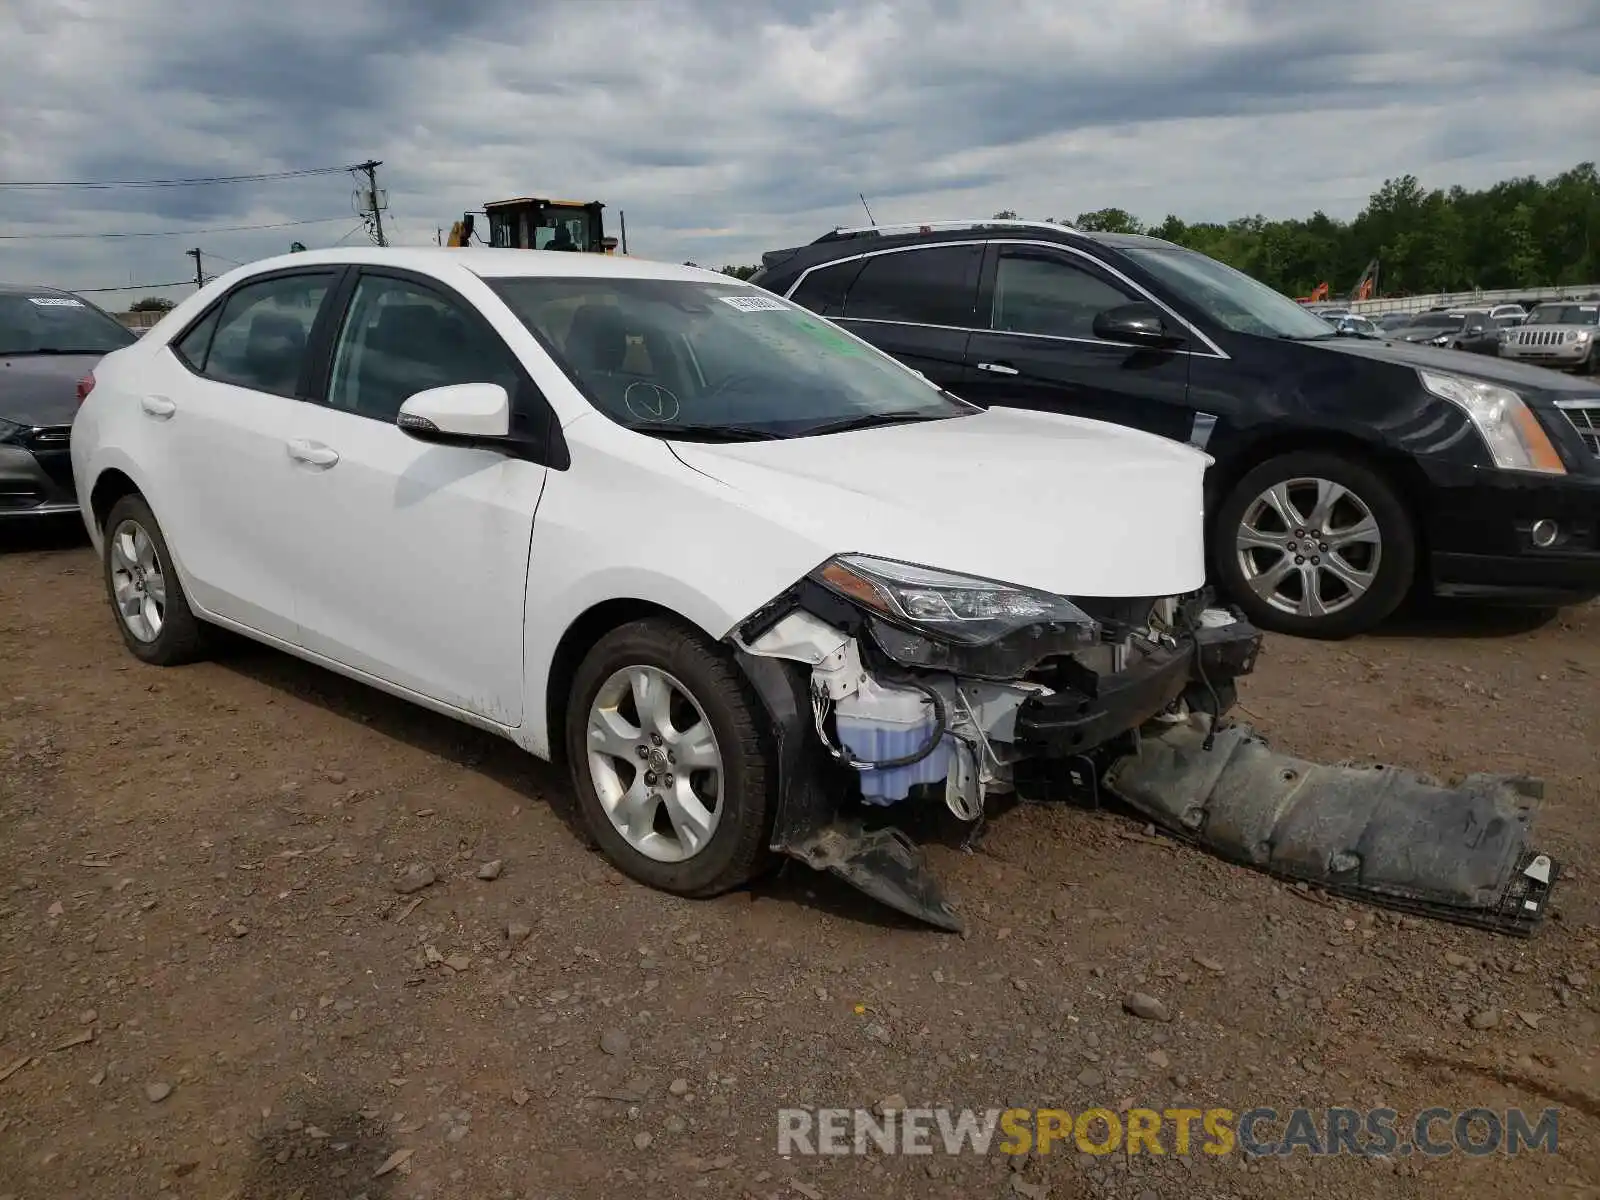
(823,291)
(1040,293)
(926,287)
(50,323)
(261,337)
(400,339)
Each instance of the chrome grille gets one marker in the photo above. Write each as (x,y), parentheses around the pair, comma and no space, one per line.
(47,437)
(1540,337)
(1585,418)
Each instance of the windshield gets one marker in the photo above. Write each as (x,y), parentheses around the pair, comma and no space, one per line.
(1230,298)
(690,358)
(1565,314)
(50,323)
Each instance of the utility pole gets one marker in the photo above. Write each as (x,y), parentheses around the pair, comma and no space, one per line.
(199,274)
(371,168)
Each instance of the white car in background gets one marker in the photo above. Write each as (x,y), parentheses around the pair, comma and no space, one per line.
(695,541)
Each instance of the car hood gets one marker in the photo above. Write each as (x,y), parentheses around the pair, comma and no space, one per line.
(1061,504)
(1522,377)
(41,389)
(1422,335)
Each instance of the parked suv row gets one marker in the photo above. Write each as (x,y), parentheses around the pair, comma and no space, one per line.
(1346,472)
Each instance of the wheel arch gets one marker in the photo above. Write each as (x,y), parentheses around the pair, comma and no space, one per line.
(111,485)
(574,645)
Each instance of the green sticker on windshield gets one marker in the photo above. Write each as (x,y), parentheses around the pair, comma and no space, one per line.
(831,336)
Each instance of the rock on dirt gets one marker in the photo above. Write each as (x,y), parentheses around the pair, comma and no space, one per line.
(491,870)
(156,1091)
(1146,1007)
(414,878)
(615,1042)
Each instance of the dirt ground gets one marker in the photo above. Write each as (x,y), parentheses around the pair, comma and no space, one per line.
(210,986)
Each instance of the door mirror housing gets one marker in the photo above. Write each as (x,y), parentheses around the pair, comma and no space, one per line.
(464,414)
(1140,324)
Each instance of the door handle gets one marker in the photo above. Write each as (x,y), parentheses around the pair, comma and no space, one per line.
(314,453)
(999,368)
(158,407)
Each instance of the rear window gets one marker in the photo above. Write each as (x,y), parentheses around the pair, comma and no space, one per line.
(50,323)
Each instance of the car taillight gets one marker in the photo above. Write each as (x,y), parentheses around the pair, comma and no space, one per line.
(85,386)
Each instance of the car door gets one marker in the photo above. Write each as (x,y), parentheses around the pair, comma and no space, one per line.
(1037,348)
(227,399)
(417,572)
(917,303)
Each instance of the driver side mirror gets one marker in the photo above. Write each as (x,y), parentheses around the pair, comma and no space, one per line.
(464,414)
(1139,323)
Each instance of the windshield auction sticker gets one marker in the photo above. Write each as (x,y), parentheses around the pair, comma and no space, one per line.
(754,303)
(55,302)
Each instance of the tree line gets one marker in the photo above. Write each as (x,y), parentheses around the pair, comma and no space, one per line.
(1518,233)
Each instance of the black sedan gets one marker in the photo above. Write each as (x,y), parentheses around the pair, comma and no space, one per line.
(49,340)
(1470,329)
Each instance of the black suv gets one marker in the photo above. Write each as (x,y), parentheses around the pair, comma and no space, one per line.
(1346,470)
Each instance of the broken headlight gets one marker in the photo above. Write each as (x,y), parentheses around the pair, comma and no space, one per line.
(957,608)
(941,621)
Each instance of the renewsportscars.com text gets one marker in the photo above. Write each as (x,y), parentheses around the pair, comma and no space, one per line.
(1180,1131)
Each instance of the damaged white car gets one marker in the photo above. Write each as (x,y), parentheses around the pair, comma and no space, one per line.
(760,586)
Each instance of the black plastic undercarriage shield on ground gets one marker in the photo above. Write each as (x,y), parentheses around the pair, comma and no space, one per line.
(1382,834)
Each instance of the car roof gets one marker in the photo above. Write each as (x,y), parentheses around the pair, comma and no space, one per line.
(487,263)
(30,289)
(849,243)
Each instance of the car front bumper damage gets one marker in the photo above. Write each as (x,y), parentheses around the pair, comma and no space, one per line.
(1143,718)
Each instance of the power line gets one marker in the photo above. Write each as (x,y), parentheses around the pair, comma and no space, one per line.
(28,237)
(197,181)
(133,287)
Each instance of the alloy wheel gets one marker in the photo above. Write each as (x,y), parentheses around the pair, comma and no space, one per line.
(137,581)
(1310,547)
(655,763)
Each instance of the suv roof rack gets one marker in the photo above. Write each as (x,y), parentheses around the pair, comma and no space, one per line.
(940,226)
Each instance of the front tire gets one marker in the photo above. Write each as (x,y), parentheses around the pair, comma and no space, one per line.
(147,598)
(673,778)
(1316,545)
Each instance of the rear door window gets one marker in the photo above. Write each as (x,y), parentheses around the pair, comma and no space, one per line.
(936,285)
(262,334)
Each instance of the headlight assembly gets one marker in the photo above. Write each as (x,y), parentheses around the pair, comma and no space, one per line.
(932,620)
(1512,433)
(955,608)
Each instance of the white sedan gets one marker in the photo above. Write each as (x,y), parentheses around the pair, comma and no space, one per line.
(741,571)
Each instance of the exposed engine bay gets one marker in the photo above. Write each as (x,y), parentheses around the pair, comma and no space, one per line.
(893,687)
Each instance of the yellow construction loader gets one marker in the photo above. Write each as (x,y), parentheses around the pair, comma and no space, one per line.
(535,224)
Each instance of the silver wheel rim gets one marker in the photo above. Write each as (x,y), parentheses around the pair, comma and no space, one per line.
(138,586)
(1309,547)
(655,764)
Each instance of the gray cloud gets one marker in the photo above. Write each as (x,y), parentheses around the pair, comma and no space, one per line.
(725,127)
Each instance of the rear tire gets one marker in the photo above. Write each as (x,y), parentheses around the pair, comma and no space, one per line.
(147,598)
(1313,544)
(673,776)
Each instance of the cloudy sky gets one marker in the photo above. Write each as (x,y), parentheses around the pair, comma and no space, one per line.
(725,127)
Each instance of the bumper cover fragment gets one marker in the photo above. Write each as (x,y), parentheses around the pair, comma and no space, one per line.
(1382,834)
